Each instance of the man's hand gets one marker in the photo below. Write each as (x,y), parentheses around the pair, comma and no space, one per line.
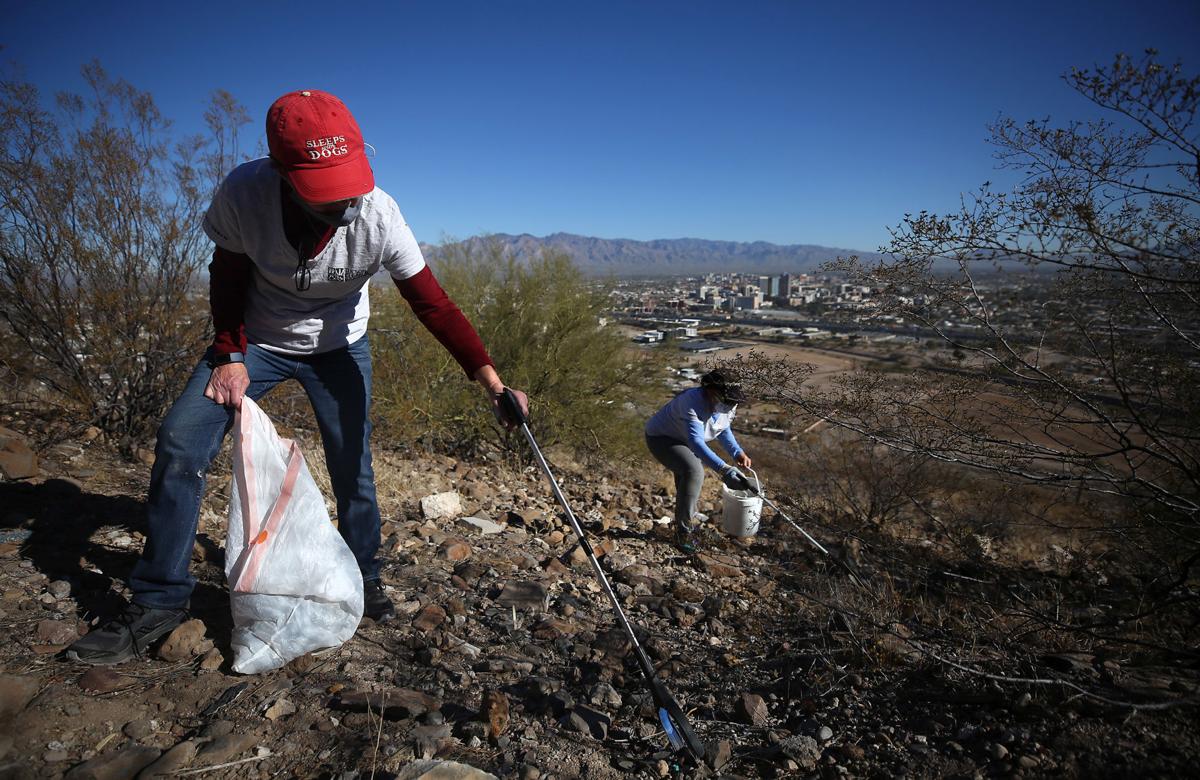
(499,410)
(743,460)
(487,377)
(228,384)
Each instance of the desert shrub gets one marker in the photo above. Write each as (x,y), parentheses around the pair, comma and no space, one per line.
(100,245)
(541,324)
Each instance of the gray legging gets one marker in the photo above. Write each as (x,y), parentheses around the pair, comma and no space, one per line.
(688,471)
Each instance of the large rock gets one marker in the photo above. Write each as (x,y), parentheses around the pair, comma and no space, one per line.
(442,770)
(441,506)
(17,461)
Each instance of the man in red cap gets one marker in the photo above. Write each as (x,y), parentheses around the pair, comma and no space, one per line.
(298,235)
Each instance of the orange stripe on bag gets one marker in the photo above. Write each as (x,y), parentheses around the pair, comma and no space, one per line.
(258,550)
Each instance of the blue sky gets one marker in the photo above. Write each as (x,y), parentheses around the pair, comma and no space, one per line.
(789,122)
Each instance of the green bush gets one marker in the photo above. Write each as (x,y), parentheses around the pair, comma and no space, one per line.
(541,324)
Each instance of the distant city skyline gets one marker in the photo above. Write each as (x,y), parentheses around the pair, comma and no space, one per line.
(790,123)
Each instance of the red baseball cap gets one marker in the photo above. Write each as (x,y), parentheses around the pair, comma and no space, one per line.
(317,145)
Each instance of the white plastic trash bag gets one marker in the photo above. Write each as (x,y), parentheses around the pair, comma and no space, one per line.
(294,585)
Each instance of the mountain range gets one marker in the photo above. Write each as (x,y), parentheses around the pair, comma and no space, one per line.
(671,257)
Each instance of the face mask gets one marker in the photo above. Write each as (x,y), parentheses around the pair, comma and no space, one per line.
(336,218)
(720,407)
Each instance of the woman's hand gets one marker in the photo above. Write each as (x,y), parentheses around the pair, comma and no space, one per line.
(743,460)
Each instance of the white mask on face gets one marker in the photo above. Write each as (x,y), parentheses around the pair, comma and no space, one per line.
(336,218)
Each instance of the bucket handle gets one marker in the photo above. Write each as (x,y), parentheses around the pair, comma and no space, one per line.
(757,483)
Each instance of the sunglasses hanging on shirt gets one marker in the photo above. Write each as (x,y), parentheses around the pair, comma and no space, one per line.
(303,275)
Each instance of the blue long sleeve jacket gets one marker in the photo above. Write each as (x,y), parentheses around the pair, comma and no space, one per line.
(689,418)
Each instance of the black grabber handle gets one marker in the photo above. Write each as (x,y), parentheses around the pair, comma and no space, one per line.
(510,406)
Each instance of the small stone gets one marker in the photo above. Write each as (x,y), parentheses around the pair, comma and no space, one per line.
(803,750)
(524,594)
(721,569)
(17,460)
(481,525)
(429,618)
(212,660)
(454,550)
(852,753)
(604,695)
(55,632)
(170,762)
(597,722)
(59,589)
(550,628)
(997,751)
(119,765)
(281,708)
(719,754)
(824,734)
(227,747)
(752,709)
(396,703)
(573,721)
(138,729)
(186,642)
(440,770)
(1027,762)
(55,756)
(16,691)
(687,592)
(441,506)
(493,710)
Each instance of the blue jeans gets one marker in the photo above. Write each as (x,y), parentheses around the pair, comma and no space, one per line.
(338,385)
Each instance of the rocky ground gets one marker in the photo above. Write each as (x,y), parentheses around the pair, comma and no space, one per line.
(505,658)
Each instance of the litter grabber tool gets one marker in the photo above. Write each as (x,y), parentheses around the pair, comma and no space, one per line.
(756,488)
(670,714)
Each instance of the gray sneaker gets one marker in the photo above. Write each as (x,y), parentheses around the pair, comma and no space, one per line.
(126,636)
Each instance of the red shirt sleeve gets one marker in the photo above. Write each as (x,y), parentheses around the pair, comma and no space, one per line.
(444,320)
(228,282)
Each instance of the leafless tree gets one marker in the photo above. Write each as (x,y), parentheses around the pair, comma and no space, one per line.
(100,245)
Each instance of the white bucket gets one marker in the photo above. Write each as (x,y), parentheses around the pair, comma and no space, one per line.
(743,509)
